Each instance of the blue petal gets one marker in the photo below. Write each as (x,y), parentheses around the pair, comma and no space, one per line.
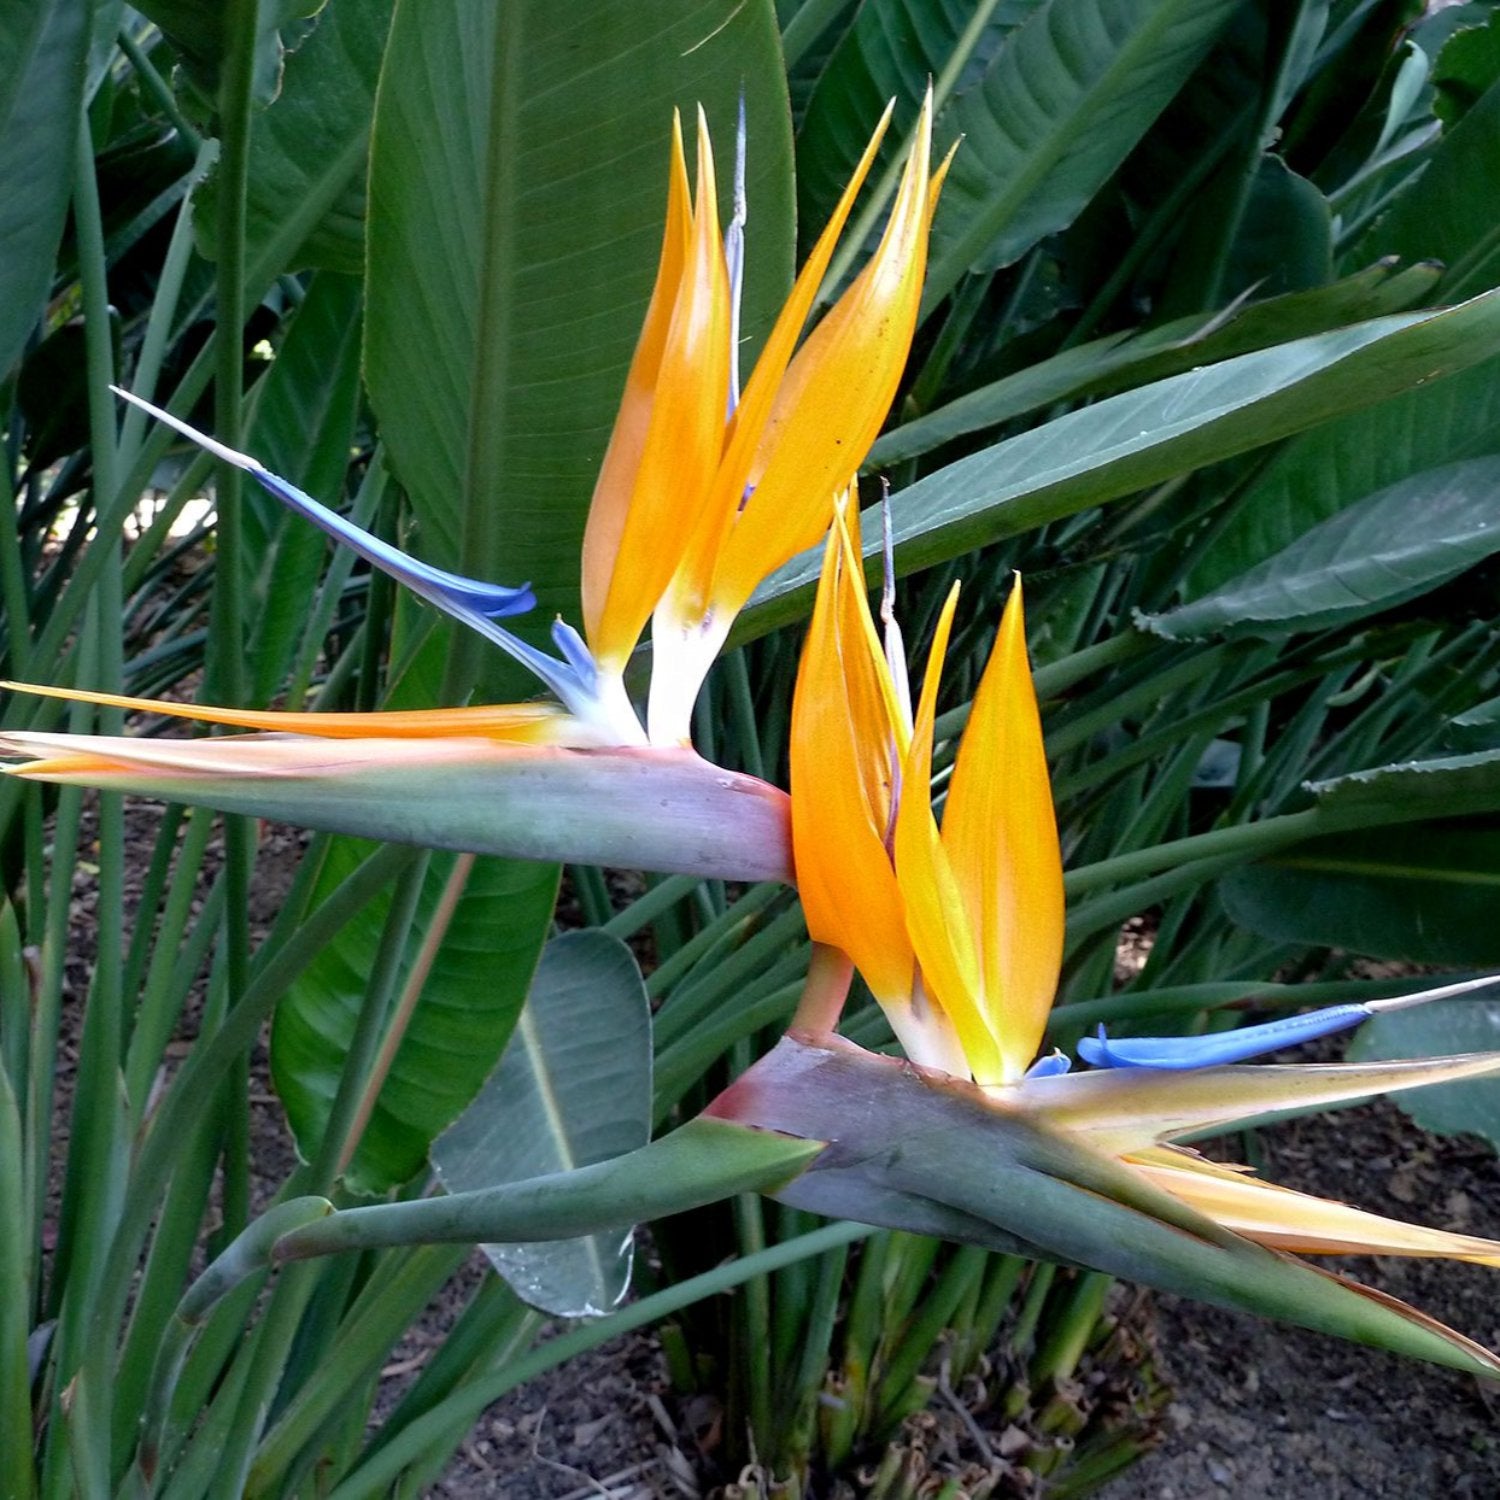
(492,600)
(1051,1066)
(473,603)
(1184,1052)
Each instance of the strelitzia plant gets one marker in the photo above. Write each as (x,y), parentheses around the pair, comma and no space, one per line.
(704,489)
(958,930)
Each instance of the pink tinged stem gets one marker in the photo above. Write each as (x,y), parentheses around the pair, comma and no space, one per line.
(823,995)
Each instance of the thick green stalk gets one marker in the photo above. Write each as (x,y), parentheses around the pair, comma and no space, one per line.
(17,1477)
(459,1411)
(700,1162)
(350,1108)
(191,1098)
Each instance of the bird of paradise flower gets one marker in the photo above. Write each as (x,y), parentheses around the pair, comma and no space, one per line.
(704,489)
(958,931)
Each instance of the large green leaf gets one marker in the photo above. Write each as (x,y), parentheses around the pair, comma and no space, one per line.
(1450,1026)
(573,1088)
(1423,428)
(894,49)
(469,1003)
(1446,787)
(518,181)
(1163,430)
(1122,361)
(308,151)
(196,28)
(303,429)
(1387,548)
(1446,214)
(1424,894)
(1072,90)
(43,51)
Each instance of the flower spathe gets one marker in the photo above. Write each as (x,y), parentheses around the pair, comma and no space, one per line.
(958,930)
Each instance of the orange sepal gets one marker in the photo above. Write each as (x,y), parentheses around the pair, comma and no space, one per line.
(1000,833)
(520,723)
(684,436)
(934,907)
(627,442)
(841,766)
(834,397)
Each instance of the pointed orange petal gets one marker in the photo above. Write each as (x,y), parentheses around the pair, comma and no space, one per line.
(622,459)
(934,909)
(841,790)
(1001,834)
(834,398)
(1299,1222)
(684,437)
(522,723)
(758,400)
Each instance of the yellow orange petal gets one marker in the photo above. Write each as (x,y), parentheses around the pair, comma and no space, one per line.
(1299,1222)
(834,397)
(1001,835)
(841,789)
(684,436)
(622,459)
(520,723)
(935,915)
(759,400)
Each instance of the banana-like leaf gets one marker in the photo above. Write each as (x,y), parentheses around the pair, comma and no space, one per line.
(1446,787)
(893,1131)
(476,933)
(1072,90)
(1392,546)
(1146,436)
(1424,426)
(44,46)
(1123,361)
(664,810)
(309,151)
(303,428)
(1424,894)
(1471,1108)
(572,1088)
(1441,216)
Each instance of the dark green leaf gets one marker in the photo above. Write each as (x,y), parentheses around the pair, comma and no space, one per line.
(309,149)
(894,49)
(44,47)
(1435,423)
(303,429)
(468,1005)
(1424,894)
(573,1088)
(1124,361)
(1387,548)
(1445,215)
(1448,787)
(1072,90)
(1285,240)
(1146,436)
